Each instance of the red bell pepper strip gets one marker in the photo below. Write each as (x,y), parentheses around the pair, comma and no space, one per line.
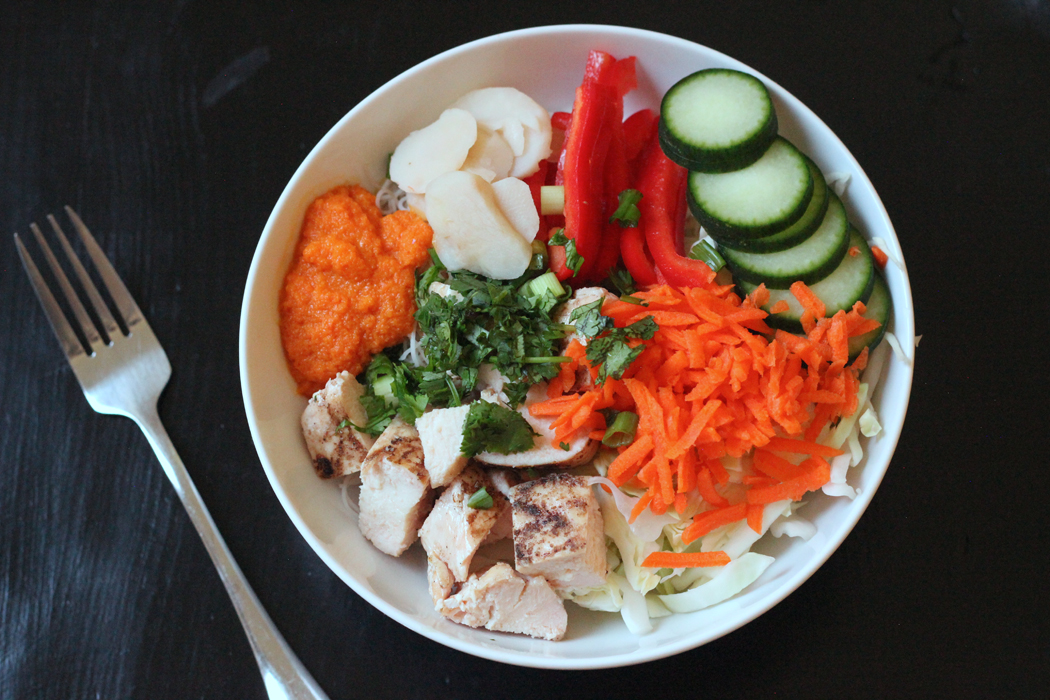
(535,181)
(636,257)
(638,130)
(561,120)
(662,188)
(586,147)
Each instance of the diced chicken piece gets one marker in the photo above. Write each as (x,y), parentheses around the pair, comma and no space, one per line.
(439,580)
(441,432)
(336,448)
(543,453)
(503,600)
(558,532)
(581,297)
(453,531)
(444,291)
(503,480)
(396,496)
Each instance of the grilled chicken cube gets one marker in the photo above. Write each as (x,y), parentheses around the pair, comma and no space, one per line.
(395,489)
(503,600)
(335,447)
(558,531)
(441,432)
(453,531)
(503,480)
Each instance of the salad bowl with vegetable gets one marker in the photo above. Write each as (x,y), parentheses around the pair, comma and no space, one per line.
(821,216)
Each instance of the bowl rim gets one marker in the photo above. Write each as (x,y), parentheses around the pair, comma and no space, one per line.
(903,320)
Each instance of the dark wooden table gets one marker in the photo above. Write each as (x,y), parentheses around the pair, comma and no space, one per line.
(173,127)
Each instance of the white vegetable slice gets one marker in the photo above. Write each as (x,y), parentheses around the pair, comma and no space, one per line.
(515,199)
(470,230)
(517,118)
(433,150)
(734,577)
(490,157)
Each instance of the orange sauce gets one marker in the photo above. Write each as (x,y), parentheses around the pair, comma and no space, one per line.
(350,290)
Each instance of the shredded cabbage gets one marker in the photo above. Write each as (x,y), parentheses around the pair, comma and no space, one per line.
(633,550)
(733,578)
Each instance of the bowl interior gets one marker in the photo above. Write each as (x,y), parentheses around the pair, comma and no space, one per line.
(545,63)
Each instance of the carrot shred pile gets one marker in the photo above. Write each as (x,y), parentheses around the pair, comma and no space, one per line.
(715,380)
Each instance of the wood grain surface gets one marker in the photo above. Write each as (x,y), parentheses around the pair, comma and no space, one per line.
(173,126)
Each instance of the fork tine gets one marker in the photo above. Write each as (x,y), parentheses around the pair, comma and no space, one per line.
(86,325)
(88,286)
(125,304)
(63,331)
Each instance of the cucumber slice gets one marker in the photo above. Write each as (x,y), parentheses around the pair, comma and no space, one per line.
(765,197)
(796,232)
(717,120)
(880,308)
(852,281)
(810,261)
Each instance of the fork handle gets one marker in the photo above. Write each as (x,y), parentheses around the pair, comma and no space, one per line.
(283,674)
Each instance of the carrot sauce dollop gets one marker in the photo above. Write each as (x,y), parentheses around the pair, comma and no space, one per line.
(350,290)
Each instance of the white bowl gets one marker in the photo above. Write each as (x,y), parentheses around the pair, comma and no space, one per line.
(546,63)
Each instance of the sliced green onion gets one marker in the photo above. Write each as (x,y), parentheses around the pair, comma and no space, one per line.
(545,360)
(435,259)
(547,282)
(481,500)
(565,446)
(384,387)
(552,199)
(539,255)
(627,214)
(622,430)
(703,250)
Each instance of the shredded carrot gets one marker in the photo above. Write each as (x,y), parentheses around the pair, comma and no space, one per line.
(779,307)
(678,560)
(754,517)
(716,382)
(880,257)
(713,519)
(801,447)
(854,251)
(810,301)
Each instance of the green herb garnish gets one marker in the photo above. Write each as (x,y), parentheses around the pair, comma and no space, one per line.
(622,430)
(490,427)
(480,500)
(622,280)
(573,260)
(627,214)
(703,250)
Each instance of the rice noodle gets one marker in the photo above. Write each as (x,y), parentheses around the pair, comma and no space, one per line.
(391,198)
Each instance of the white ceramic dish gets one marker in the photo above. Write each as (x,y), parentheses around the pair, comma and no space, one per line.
(546,63)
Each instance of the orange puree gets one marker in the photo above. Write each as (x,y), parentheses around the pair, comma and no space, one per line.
(350,291)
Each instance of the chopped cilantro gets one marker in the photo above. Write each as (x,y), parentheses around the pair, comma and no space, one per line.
(565,446)
(573,260)
(622,280)
(490,427)
(589,319)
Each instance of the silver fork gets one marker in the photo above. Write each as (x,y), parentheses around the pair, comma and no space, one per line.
(125,375)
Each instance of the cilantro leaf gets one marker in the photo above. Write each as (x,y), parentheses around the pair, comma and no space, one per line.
(622,280)
(589,319)
(573,260)
(490,427)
